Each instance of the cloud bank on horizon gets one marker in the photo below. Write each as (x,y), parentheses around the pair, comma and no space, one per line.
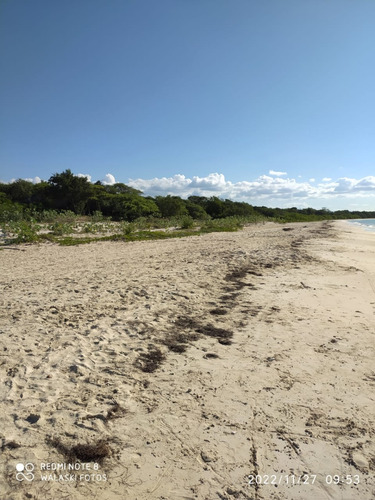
(274,189)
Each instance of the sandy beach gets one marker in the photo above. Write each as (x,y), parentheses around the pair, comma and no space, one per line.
(223,366)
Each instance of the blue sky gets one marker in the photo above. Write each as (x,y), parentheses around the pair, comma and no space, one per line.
(271,102)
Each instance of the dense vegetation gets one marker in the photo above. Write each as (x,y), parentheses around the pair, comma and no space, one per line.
(67,204)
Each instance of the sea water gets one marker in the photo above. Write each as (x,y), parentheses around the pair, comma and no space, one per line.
(368,224)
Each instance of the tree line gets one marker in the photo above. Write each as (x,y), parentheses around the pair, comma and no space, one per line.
(66,191)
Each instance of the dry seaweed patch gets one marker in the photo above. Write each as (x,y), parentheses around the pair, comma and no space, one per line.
(296,243)
(218,311)
(236,276)
(229,297)
(176,347)
(95,452)
(213,331)
(187,329)
(178,342)
(186,322)
(149,362)
(225,342)
(116,411)
(207,330)
(9,445)
(211,355)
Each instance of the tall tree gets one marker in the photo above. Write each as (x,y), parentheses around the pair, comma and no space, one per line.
(69,191)
(171,206)
(21,191)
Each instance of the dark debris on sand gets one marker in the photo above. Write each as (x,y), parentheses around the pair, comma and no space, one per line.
(187,329)
(94,452)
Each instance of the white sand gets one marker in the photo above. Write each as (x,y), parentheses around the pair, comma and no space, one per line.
(291,396)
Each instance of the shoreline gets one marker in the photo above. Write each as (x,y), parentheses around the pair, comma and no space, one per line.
(265,368)
(352,223)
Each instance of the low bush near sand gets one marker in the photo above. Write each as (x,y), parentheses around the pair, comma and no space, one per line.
(227,224)
(187,222)
(128,228)
(60,228)
(66,228)
(21,231)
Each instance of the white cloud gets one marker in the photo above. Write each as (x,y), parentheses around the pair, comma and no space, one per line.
(348,186)
(88,177)
(108,180)
(34,180)
(276,173)
(216,185)
(265,190)
(326,179)
(366,184)
(211,182)
(312,179)
(183,186)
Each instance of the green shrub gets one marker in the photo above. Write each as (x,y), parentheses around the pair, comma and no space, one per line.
(91,228)
(45,215)
(225,224)
(9,212)
(67,216)
(143,223)
(97,216)
(186,222)
(128,228)
(147,223)
(60,228)
(25,232)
